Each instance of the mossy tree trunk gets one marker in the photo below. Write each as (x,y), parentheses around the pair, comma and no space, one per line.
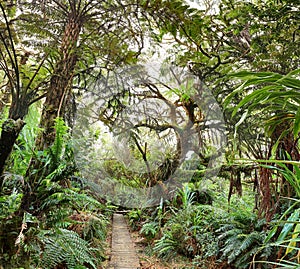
(10,132)
(60,84)
(54,106)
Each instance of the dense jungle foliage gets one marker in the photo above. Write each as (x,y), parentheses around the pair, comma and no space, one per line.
(186,114)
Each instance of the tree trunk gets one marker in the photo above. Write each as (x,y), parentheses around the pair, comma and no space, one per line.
(13,125)
(60,85)
(54,106)
(10,131)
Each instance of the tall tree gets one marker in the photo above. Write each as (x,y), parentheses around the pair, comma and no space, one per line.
(22,84)
(216,42)
(91,34)
(85,39)
(172,105)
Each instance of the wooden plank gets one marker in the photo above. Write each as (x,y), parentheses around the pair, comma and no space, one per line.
(123,254)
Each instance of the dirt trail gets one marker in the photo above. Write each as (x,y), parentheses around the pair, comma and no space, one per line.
(123,253)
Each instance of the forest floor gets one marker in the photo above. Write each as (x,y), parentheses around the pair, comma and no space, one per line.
(128,250)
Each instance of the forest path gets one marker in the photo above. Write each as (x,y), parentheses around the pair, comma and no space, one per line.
(123,253)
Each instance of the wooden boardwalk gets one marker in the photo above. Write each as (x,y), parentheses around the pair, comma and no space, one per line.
(123,253)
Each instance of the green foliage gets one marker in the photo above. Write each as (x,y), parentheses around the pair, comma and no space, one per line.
(277,93)
(53,235)
(9,204)
(52,194)
(24,146)
(261,35)
(149,230)
(152,228)
(285,236)
(92,228)
(168,246)
(268,103)
(291,175)
(189,230)
(95,229)
(62,246)
(213,236)
(135,217)
(241,239)
(58,159)
(78,237)
(56,151)
(187,196)
(271,42)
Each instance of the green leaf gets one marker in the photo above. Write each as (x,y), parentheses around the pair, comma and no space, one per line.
(275,146)
(251,98)
(242,119)
(246,75)
(288,225)
(271,234)
(297,124)
(293,242)
(289,82)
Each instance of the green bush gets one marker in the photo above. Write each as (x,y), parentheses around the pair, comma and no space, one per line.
(187,231)
(241,239)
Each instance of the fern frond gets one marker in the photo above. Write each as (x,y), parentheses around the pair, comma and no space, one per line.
(166,247)
(249,240)
(149,229)
(64,246)
(230,233)
(56,150)
(225,227)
